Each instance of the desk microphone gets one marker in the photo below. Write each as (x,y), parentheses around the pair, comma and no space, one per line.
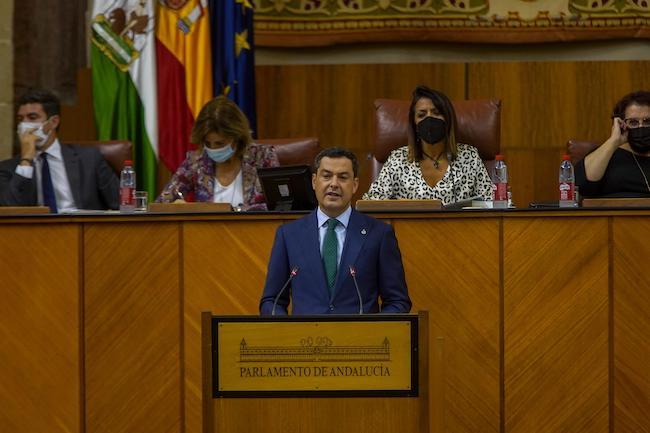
(293,273)
(353,274)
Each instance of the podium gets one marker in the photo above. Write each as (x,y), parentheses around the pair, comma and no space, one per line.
(366,373)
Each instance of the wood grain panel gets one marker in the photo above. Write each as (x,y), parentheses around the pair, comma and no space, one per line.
(452,270)
(224,270)
(556,324)
(39,329)
(631,325)
(280,415)
(132,322)
(545,104)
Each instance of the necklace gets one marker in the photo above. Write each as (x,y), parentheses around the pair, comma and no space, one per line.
(436,160)
(642,172)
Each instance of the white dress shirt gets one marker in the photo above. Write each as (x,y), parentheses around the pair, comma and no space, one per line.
(62,190)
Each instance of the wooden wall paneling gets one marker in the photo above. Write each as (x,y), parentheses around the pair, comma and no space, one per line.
(39,328)
(280,415)
(335,102)
(132,327)
(78,119)
(224,270)
(556,324)
(452,270)
(545,104)
(631,297)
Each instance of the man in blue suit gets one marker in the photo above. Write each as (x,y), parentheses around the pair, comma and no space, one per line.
(339,260)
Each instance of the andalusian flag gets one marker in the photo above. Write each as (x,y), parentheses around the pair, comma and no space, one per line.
(184,73)
(123,58)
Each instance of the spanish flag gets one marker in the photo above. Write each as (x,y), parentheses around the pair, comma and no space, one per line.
(184,68)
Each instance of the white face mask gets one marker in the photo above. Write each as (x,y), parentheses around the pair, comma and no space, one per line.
(37,128)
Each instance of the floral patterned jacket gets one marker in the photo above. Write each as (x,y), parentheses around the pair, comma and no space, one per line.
(195,177)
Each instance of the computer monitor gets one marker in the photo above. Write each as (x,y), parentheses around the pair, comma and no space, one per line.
(287,187)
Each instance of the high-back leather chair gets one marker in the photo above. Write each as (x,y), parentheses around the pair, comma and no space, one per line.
(294,151)
(478,124)
(578,149)
(114,152)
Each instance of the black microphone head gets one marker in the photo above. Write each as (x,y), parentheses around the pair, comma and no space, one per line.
(294,271)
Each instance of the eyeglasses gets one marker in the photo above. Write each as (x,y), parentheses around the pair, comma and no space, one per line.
(637,123)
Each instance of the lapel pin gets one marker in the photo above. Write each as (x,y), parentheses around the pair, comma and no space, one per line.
(363,231)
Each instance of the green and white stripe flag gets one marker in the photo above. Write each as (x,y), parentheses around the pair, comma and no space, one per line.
(123,60)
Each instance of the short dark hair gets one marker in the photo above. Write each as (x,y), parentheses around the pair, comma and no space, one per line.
(51,104)
(445,108)
(337,152)
(640,97)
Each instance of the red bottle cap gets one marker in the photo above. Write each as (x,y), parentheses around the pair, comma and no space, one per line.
(128,162)
(566,158)
(499,157)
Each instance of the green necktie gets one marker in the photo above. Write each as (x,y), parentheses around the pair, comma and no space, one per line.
(330,247)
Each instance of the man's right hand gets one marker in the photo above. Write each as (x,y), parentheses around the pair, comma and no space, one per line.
(27,146)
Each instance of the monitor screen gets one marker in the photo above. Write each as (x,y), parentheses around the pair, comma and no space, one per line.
(287,187)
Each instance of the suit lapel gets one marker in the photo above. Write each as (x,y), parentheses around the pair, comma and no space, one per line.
(355,236)
(72,166)
(311,250)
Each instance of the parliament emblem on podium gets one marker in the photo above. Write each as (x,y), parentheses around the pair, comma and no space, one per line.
(121,30)
(319,349)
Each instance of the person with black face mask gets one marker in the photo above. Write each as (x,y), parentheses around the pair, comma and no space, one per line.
(433,165)
(620,167)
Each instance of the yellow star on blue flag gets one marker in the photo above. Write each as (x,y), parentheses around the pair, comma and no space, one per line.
(245,4)
(241,42)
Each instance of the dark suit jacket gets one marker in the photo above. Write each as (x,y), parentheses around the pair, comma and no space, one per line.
(94,184)
(370,247)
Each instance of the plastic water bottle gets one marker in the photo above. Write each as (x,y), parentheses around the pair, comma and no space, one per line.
(127,188)
(500,180)
(567,183)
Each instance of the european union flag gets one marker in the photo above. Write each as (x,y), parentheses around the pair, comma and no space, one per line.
(233,64)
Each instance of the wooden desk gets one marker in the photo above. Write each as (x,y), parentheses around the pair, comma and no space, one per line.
(539,320)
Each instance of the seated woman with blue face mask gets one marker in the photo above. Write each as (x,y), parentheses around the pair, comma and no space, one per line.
(223,168)
(434,166)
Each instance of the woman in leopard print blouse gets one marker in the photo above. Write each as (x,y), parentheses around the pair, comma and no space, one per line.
(435,166)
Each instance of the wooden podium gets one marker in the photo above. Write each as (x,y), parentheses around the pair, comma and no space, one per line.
(315,374)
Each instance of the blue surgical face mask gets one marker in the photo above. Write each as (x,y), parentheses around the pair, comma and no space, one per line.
(220,155)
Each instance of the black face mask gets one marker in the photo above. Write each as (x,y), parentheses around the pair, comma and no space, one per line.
(431,130)
(639,139)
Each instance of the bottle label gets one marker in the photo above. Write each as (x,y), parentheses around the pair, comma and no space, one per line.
(127,196)
(567,191)
(501,191)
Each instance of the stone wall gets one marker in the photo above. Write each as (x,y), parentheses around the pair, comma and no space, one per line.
(6,78)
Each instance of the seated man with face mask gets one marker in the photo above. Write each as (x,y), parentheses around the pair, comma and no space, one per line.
(620,167)
(46,172)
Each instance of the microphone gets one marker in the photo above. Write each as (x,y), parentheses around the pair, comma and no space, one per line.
(353,274)
(293,273)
